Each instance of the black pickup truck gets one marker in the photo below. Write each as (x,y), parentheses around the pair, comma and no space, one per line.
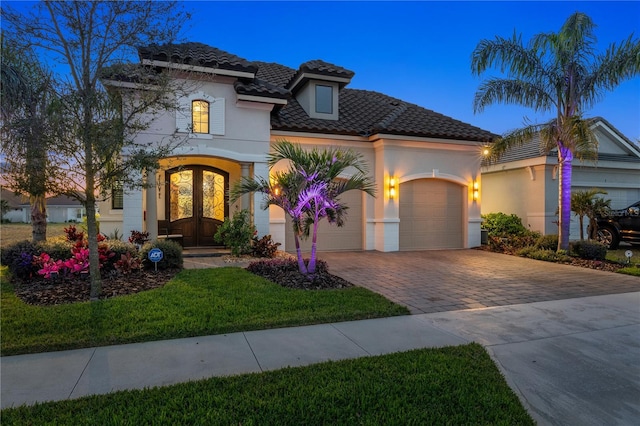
(620,225)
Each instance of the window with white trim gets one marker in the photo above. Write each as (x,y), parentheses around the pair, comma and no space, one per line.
(117,196)
(201,114)
(324,99)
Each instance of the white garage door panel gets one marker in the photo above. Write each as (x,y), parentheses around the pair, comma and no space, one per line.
(431,213)
(330,237)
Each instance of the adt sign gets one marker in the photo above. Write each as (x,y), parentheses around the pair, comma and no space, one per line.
(155,255)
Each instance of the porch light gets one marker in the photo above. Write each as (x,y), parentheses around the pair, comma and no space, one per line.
(392,188)
(486,151)
(476,190)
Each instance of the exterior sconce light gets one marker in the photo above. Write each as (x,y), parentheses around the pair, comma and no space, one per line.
(476,190)
(392,188)
(276,190)
(486,151)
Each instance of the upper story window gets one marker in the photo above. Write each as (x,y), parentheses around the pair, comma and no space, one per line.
(200,116)
(324,99)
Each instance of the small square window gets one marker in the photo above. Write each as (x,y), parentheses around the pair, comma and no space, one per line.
(324,99)
(200,116)
(117,197)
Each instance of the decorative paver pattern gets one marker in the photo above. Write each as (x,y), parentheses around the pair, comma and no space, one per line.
(448,280)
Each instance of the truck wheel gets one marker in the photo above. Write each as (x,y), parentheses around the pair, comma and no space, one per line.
(608,237)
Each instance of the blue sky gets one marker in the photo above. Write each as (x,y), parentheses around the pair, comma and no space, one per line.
(416,51)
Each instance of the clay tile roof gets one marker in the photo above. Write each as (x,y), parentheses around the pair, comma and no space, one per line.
(197,54)
(363,113)
(318,66)
(262,88)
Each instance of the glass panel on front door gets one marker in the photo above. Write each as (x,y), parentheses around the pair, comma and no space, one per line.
(213,203)
(181,195)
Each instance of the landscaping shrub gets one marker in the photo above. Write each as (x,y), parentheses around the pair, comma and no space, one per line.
(172,254)
(18,257)
(591,250)
(57,248)
(512,243)
(547,242)
(549,255)
(502,225)
(263,267)
(237,233)
(118,248)
(264,247)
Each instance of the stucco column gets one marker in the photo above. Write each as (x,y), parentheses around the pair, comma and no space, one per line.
(260,216)
(132,209)
(245,200)
(152,205)
(386,221)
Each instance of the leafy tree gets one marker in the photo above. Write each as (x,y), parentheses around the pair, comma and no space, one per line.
(583,204)
(26,94)
(560,73)
(92,40)
(309,189)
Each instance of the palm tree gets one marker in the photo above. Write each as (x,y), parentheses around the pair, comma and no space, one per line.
(26,91)
(309,189)
(558,73)
(582,204)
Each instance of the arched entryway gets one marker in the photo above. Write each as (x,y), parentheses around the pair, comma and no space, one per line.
(196,203)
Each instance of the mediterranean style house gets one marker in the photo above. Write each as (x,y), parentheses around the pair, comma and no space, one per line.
(427,166)
(524,182)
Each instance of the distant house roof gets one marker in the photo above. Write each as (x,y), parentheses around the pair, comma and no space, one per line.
(62,201)
(14,200)
(533,149)
(361,112)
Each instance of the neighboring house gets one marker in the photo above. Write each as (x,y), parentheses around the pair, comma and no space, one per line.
(424,164)
(64,209)
(525,181)
(16,212)
(59,209)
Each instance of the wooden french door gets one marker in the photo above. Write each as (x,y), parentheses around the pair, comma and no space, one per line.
(196,203)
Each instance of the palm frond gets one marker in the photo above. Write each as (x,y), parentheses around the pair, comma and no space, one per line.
(515,92)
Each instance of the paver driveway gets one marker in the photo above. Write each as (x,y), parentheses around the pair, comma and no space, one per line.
(447,280)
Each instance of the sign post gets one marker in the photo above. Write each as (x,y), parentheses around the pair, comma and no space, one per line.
(155,255)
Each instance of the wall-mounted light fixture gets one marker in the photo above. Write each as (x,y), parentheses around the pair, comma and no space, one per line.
(392,187)
(476,190)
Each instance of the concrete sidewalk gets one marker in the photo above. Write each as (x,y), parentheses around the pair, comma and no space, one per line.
(574,361)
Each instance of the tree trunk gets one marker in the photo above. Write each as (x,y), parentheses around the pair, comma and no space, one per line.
(582,228)
(565,157)
(38,218)
(301,266)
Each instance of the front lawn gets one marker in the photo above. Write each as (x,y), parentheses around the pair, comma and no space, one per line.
(195,303)
(454,385)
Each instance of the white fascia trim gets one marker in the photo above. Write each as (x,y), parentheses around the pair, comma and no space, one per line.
(615,135)
(304,135)
(430,144)
(129,85)
(310,76)
(617,185)
(261,99)
(521,164)
(197,68)
(254,105)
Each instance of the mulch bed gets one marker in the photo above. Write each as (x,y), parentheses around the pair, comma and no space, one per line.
(40,291)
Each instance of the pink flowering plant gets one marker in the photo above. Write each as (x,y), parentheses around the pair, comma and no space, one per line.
(48,265)
(79,262)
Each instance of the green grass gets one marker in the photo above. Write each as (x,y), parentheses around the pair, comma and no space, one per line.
(196,302)
(454,385)
(619,256)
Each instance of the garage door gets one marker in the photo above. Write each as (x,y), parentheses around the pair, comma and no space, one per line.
(431,215)
(330,237)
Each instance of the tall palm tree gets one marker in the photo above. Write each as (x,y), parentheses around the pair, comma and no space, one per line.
(309,189)
(559,73)
(26,92)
